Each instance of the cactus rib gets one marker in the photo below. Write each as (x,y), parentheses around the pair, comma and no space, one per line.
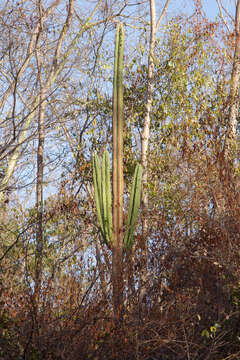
(111,217)
(117,124)
(97,190)
(108,194)
(106,197)
(134,204)
(102,187)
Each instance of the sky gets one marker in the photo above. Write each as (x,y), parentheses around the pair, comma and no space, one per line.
(186,6)
(209,6)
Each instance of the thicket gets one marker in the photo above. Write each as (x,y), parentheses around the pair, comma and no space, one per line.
(180,280)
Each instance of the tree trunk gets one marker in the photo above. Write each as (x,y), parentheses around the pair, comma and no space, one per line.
(234,88)
(40,168)
(58,63)
(146,129)
(39,204)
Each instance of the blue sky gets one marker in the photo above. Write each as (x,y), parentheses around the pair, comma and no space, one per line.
(176,7)
(210,7)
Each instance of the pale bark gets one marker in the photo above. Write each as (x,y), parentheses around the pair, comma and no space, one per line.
(146,125)
(56,69)
(234,87)
(147,117)
(30,52)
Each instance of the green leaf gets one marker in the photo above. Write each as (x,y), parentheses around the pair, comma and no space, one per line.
(205,332)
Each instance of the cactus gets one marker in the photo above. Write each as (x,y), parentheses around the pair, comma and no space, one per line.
(103,197)
(111,218)
(103,200)
(134,204)
(117,125)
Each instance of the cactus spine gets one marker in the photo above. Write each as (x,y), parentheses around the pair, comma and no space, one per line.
(111,218)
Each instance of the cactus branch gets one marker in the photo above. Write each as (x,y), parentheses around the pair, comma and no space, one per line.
(117,124)
(134,204)
(111,218)
(97,189)
(102,187)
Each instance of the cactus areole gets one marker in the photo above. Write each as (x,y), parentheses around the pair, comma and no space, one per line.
(110,217)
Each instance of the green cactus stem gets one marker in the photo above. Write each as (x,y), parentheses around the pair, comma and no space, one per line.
(117,124)
(111,217)
(134,204)
(103,197)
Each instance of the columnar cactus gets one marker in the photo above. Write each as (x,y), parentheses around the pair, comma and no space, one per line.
(117,125)
(103,199)
(111,218)
(103,196)
(134,204)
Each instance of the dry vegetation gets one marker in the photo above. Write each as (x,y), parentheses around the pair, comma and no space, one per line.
(181,278)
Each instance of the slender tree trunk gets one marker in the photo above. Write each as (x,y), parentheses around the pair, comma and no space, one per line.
(58,64)
(39,204)
(146,128)
(234,87)
(39,182)
(40,168)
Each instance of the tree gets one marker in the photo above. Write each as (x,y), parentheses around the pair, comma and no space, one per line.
(56,75)
(234,84)
(189,269)
(147,118)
